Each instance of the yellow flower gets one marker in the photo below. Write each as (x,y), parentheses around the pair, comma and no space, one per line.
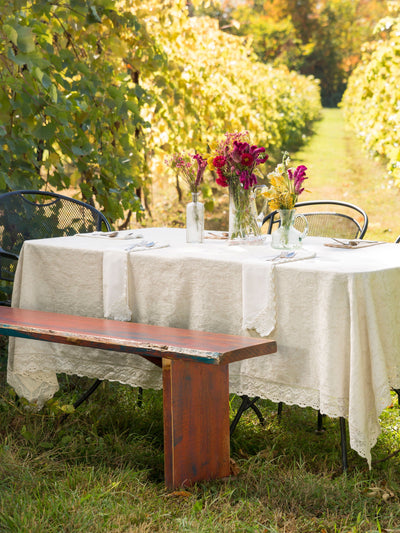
(210,162)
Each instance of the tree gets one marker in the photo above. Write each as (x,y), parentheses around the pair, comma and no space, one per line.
(71,99)
(318,37)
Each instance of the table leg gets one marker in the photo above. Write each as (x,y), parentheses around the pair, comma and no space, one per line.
(196,422)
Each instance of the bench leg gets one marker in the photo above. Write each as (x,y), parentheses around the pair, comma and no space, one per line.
(196,422)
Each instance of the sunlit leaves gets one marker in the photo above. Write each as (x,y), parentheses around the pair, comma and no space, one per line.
(67,102)
(93,94)
(371,102)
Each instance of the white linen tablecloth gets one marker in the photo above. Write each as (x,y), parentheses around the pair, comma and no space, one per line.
(334,316)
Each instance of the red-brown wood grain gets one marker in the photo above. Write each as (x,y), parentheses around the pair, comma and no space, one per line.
(143,339)
(196,422)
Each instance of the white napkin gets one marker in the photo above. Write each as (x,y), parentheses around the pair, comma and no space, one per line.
(258,292)
(115,285)
(258,297)
(115,279)
(120,235)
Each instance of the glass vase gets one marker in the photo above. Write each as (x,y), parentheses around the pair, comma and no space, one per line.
(287,237)
(243,226)
(194,220)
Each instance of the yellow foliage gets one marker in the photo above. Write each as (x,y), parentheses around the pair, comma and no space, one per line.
(371,101)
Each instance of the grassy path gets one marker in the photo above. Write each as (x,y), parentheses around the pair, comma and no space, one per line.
(339,169)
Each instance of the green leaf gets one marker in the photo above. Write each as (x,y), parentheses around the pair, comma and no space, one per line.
(11,33)
(53,93)
(38,73)
(45,131)
(81,150)
(25,40)
(93,16)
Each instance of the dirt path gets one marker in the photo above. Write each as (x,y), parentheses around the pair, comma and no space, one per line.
(339,169)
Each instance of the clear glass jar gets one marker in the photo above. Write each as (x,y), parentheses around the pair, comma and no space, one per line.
(243,226)
(195,220)
(287,237)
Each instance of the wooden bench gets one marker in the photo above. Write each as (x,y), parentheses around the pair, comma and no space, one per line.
(195,379)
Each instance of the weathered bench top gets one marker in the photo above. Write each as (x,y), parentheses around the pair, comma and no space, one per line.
(130,337)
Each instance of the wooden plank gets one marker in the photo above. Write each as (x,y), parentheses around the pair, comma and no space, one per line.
(196,422)
(142,339)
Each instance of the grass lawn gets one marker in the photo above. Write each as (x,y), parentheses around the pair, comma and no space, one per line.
(102,469)
(339,169)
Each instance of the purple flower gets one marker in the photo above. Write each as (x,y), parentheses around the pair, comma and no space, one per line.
(247,179)
(255,151)
(238,149)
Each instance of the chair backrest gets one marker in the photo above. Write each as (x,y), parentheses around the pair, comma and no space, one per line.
(326,218)
(36,215)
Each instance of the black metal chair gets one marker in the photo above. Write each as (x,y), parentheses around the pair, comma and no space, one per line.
(325,218)
(30,214)
(33,214)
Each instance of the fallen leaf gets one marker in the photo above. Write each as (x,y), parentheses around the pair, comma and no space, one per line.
(233,467)
(180,494)
(377,492)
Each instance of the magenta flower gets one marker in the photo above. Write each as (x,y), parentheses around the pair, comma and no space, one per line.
(298,176)
(238,159)
(247,179)
(184,165)
(201,166)
(255,151)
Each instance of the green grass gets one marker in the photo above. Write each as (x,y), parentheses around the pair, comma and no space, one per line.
(340,169)
(102,470)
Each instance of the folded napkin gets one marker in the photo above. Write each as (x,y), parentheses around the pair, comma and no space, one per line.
(258,297)
(258,292)
(115,279)
(114,235)
(115,285)
(352,245)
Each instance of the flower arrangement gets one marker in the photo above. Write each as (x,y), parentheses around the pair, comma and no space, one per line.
(235,160)
(286,184)
(190,166)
